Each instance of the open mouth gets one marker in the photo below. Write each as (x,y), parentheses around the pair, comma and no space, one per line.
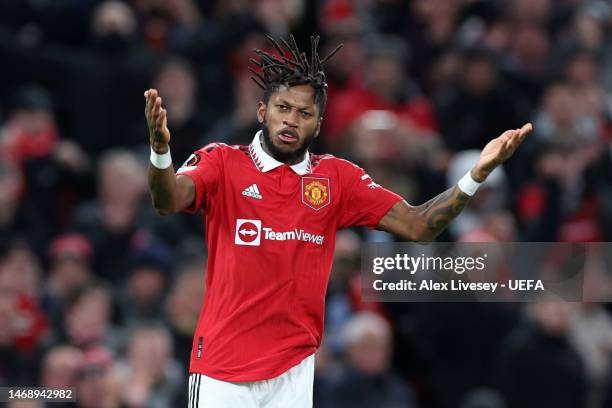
(288,136)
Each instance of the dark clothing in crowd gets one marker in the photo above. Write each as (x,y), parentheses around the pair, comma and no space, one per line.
(358,390)
(470,121)
(540,370)
(107,80)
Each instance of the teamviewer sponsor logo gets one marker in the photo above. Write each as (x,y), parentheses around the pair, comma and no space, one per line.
(248,232)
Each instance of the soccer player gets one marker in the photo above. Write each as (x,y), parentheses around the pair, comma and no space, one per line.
(272,210)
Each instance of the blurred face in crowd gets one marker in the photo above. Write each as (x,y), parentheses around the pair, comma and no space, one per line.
(125,168)
(371,352)
(8,311)
(60,367)
(185,300)
(33,121)
(589,31)
(146,285)
(68,274)
(553,317)
(531,45)
(88,319)
(479,76)
(122,186)
(24,404)
(373,137)
(176,82)
(113,17)
(347,32)
(501,226)
(11,184)
(98,389)
(582,70)
(559,104)
(290,122)
(149,352)
(429,10)
(278,13)
(384,76)
(19,271)
(533,11)
(346,258)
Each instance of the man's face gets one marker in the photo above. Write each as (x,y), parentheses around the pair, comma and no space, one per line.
(290,122)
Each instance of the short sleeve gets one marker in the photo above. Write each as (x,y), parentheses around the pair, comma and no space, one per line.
(364,202)
(204,168)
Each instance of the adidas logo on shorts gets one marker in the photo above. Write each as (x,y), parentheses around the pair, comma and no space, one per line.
(252,191)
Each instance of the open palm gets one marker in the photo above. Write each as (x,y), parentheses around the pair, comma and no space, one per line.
(500,149)
(157,121)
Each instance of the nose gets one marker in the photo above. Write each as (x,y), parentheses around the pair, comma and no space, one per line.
(291,120)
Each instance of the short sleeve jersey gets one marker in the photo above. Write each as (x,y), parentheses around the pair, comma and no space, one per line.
(270,231)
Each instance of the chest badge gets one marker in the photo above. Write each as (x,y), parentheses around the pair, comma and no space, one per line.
(316,193)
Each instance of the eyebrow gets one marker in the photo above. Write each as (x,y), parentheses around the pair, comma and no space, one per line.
(284,102)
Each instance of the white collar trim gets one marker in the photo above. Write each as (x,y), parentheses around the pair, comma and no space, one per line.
(265,162)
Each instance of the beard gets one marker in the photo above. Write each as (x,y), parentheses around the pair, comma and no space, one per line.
(285,156)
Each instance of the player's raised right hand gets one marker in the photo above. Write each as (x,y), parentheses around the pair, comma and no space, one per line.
(157,122)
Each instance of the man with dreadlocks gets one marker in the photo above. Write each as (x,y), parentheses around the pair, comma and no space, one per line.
(272,210)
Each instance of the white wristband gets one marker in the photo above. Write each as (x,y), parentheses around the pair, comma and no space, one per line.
(161,161)
(468,185)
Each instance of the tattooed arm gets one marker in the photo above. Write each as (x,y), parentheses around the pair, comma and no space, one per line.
(425,222)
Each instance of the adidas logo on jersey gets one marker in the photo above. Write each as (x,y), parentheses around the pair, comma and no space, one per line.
(252,191)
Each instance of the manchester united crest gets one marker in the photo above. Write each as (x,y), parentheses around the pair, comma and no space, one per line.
(315,192)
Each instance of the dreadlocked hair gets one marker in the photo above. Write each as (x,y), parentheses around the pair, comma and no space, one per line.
(292,68)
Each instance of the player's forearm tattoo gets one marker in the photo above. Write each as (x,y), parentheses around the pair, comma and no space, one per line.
(442,209)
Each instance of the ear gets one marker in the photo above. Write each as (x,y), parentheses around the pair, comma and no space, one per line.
(318,128)
(261,111)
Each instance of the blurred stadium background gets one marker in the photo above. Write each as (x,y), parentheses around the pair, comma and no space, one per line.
(99,293)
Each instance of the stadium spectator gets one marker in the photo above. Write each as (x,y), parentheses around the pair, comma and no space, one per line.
(73,73)
(367,381)
(177,77)
(112,221)
(567,143)
(234,126)
(87,319)
(384,87)
(147,275)
(60,370)
(590,333)
(20,274)
(60,367)
(183,308)
(51,167)
(150,377)
(25,404)
(538,366)
(70,257)
(477,105)
(19,218)
(98,384)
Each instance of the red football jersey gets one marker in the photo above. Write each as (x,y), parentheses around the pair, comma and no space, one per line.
(270,230)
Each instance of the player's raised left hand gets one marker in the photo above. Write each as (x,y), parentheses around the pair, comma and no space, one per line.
(499,150)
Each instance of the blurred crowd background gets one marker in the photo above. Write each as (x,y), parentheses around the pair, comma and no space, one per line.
(99,293)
